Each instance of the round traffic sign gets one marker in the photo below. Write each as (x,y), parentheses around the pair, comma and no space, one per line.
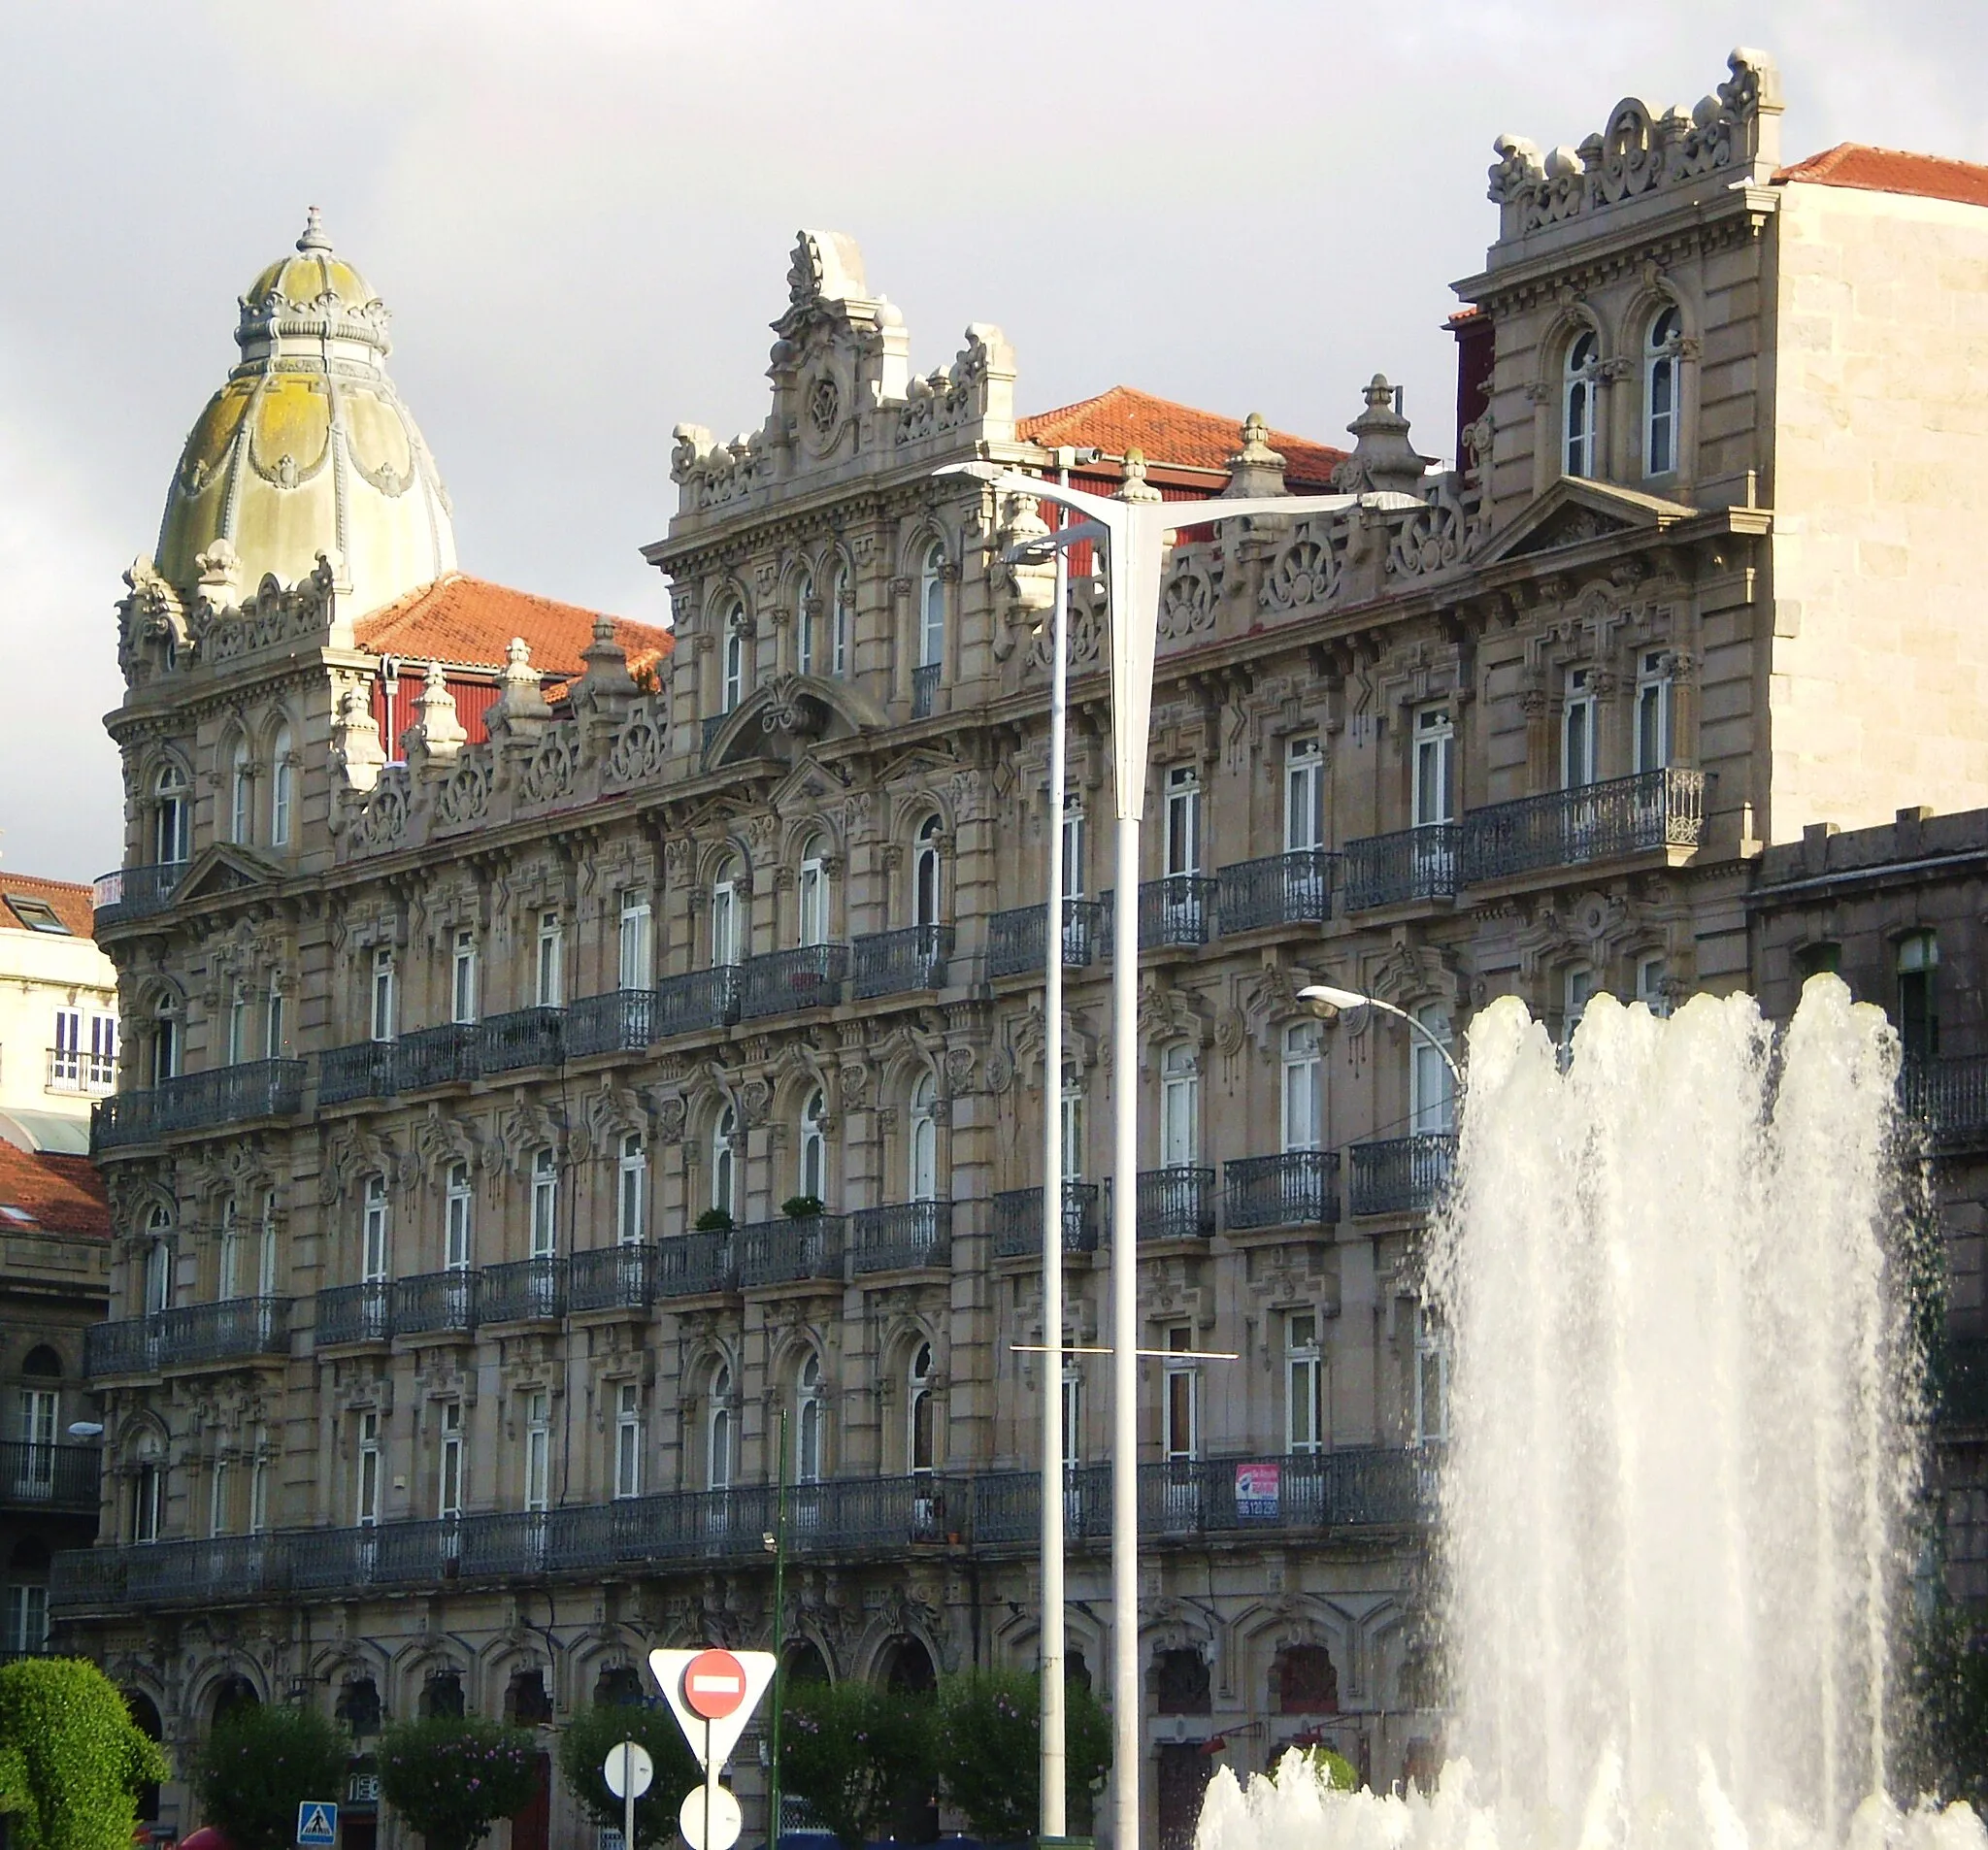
(726,1821)
(641,1770)
(713,1685)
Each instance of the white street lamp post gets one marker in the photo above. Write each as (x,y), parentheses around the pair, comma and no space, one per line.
(1135,526)
(1326,1002)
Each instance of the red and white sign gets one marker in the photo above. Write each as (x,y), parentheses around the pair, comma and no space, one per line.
(713,1685)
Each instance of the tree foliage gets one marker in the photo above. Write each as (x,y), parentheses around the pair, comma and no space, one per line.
(988,1749)
(594,1732)
(72,1759)
(259,1765)
(852,1751)
(453,1776)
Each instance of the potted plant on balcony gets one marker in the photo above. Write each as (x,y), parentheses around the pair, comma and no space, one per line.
(714,1220)
(803,1207)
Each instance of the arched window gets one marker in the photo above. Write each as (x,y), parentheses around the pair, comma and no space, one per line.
(932,608)
(231,1252)
(838,618)
(718,1432)
(1432,1094)
(926,883)
(457,1204)
(172,817)
(241,794)
(159,1261)
(811,895)
(1304,1114)
(813,1178)
(725,915)
(924,1139)
(734,670)
(723,1160)
(1179,1107)
(281,788)
(631,1186)
(1578,404)
(165,1042)
(1659,392)
(921,1426)
(806,624)
(808,1421)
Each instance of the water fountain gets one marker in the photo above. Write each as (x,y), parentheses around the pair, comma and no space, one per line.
(1676,1510)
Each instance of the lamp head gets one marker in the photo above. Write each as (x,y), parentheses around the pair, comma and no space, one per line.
(85,1428)
(1325,1000)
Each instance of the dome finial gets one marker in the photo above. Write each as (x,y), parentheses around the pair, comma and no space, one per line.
(314,238)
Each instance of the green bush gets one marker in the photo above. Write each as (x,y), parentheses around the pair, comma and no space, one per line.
(259,1765)
(1334,1771)
(453,1776)
(595,1733)
(989,1750)
(71,1758)
(803,1207)
(714,1220)
(852,1751)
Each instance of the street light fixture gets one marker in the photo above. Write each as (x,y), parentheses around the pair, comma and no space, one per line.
(1135,528)
(1325,1001)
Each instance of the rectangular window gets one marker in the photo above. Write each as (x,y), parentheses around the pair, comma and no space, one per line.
(103,1050)
(637,963)
(1305,1385)
(39,1410)
(462,991)
(218,1499)
(1073,847)
(457,1201)
(373,1258)
(65,1059)
(552,961)
(810,897)
(1653,712)
(272,1026)
(229,1284)
(1575,989)
(237,1028)
(1303,796)
(1183,820)
(1578,730)
(1432,1379)
(448,1487)
(1072,1415)
(1183,1399)
(368,1503)
(724,924)
(1179,1108)
(266,1255)
(628,1441)
(1432,1088)
(383,995)
(147,1503)
(1304,1116)
(27,1619)
(631,1185)
(1435,738)
(1072,1131)
(544,1203)
(538,1449)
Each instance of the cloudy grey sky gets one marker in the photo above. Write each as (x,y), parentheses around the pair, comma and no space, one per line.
(580,214)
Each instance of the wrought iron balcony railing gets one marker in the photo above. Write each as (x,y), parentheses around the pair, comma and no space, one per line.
(622,1021)
(924,690)
(36,1475)
(612,1278)
(436,1304)
(1177,1203)
(783,1252)
(436,1056)
(890,963)
(1301,1188)
(1281,889)
(199,1101)
(1411,864)
(1401,1175)
(785,982)
(905,1236)
(1601,821)
(361,1071)
(1177,908)
(1014,938)
(135,892)
(356,1313)
(188,1336)
(523,1038)
(696,1264)
(1018,1221)
(1949,1096)
(523,1291)
(697,1001)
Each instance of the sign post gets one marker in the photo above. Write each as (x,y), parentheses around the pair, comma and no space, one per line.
(628,1772)
(712,1694)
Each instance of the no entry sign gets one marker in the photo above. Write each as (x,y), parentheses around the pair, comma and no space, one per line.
(713,1685)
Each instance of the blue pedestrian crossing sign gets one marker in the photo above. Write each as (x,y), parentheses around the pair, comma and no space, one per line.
(318,1824)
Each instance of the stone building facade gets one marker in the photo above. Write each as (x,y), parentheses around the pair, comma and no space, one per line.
(571,1100)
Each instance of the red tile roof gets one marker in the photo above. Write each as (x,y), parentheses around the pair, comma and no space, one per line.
(467,622)
(1888,170)
(70,903)
(60,1194)
(1125,419)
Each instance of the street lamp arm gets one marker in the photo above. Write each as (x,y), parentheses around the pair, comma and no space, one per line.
(1327,1001)
(1012,482)
(1076,534)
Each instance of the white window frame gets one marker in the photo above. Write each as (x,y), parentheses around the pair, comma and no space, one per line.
(458,1218)
(165,1045)
(805,637)
(1183,820)
(807,1420)
(544,1203)
(1663,424)
(103,1051)
(1302,1098)
(1653,710)
(1073,846)
(719,1460)
(384,997)
(27,1617)
(921,1414)
(838,624)
(928,874)
(1180,1405)
(1651,973)
(237,1049)
(450,1462)
(229,1284)
(258,1487)
(811,1173)
(1303,794)
(1303,1384)
(628,1440)
(462,974)
(724,1162)
(1578,719)
(537,1450)
(1432,1088)
(282,789)
(724,922)
(810,896)
(367,1469)
(158,1268)
(172,819)
(631,1191)
(735,667)
(1071,1126)
(923,1140)
(552,961)
(932,608)
(1431,1372)
(266,1255)
(1580,392)
(1073,1414)
(240,795)
(65,1058)
(375,1230)
(274,1030)
(1179,1107)
(147,1501)
(1434,750)
(217,1511)
(635,949)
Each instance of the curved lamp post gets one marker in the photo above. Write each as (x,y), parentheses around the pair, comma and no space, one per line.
(1326,1002)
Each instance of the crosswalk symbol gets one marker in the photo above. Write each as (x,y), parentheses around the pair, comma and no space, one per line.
(318,1824)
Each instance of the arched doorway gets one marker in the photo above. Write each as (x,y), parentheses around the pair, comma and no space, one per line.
(802,1662)
(144,1716)
(231,1694)
(905,1667)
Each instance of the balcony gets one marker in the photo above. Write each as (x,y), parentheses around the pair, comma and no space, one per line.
(1301,1188)
(612,1278)
(135,892)
(199,1101)
(1402,1175)
(1014,938)
(1281,889)
(72,1071)
(622,1021)
(1177,908)
(891,963)
(1411,864)
(907,1236)
(355,1314)
(188,1336)
(695,1265)
(1606,821)
(1177,1203)
(697,1001)
(523,1291)
(200,1572)
(436,1304)
(362,1071)
(50,1476)
(436,1056)
(1948,1097)
(1018,1221)
(786,981)
(785,1252)
(524,1038)
(924,689)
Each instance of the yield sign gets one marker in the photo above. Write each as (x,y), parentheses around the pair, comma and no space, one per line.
(711,1738)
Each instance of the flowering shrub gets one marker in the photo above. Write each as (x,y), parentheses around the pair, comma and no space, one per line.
(855,1752)
(988,1750)
(594,1732)
(453,1776)
(259,1765)
(71,1758)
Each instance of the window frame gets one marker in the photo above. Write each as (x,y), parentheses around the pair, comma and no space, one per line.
(545,1226)
(635,961)
(1580,408)
(631,1191)
(1303,1384)
(1182,835)
(1433,780)
(1663,363)
(1432,1087)
(1301,1071)
(1181,1404)
(628,1428)
(451,1463)
(932,608)
(385,994)
(375,1231)
(538,1451)
(282,789)
(1179,1107)
(458,1218)
(1303,794)
(1578,757)
(367,1469)
(550,967)
(462,975)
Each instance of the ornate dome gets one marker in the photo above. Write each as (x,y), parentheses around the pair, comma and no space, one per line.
(308,449)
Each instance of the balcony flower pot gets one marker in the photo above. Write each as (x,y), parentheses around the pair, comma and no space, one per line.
(803,1208)
(714,1220)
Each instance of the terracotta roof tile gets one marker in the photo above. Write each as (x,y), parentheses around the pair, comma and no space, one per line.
(467,622)
(70,903)
(1889,170)
(61,1194)
(1125,419)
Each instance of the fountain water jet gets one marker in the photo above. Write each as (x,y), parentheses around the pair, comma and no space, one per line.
(1683,1448)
